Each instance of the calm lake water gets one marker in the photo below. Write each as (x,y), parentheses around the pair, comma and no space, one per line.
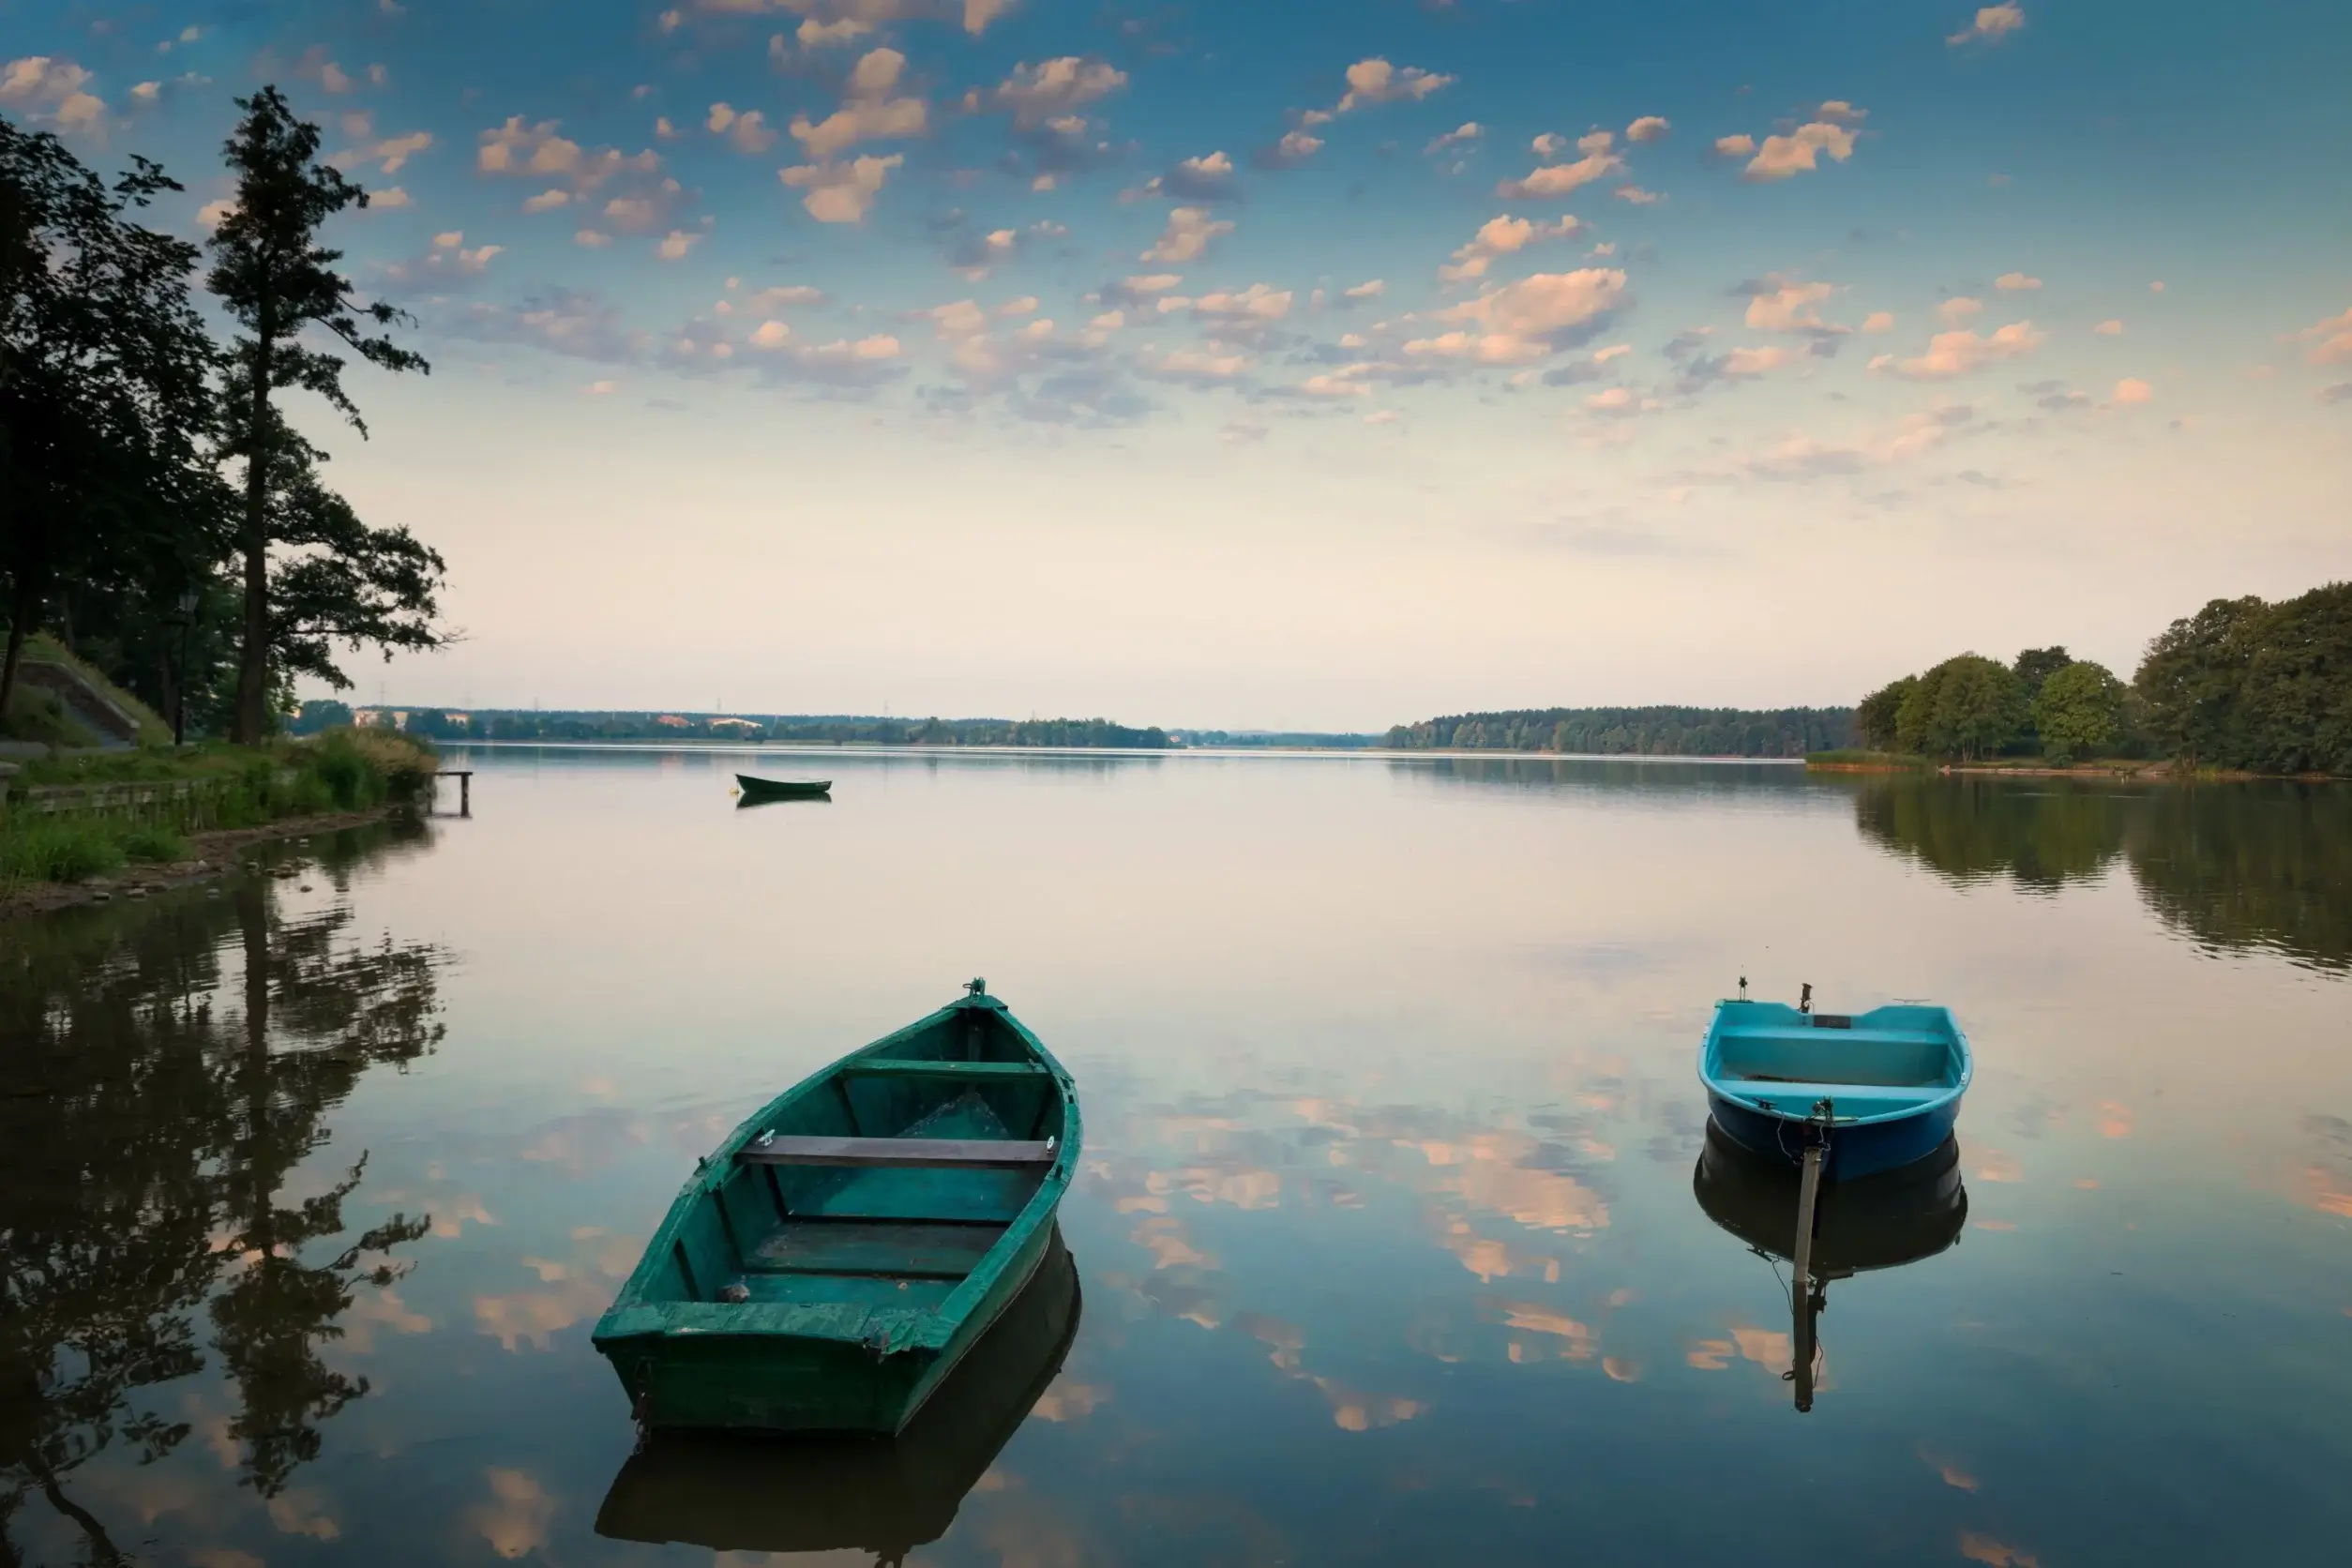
(1390,1243)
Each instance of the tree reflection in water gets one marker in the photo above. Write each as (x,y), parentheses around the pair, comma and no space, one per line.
(2229,866)
(164,1069)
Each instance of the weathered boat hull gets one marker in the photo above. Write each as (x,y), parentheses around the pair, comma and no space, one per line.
(1854,1151)
(838,1254)
(798,1382)
(830,1493)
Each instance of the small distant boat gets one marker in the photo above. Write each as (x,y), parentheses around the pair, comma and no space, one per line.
(783,789)
(827,1493)
(1872,1090)
(834,1259)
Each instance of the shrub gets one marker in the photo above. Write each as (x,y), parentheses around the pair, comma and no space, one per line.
(58,849)
(151,841)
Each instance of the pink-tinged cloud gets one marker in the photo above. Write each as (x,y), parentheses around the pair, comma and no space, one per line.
(1992,24)
(2330,341)
(1958,354)
(1799,152)
(1375,80)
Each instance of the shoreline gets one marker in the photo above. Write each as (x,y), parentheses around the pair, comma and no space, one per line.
(216,854)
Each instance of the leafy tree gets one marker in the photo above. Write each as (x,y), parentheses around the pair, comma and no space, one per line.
(2191,682)
(351,584)
(1966,707)
(279,282)
(1875,718)
(321,714)
(2037,665)
(2299,686)
(105,396)
(2079,711)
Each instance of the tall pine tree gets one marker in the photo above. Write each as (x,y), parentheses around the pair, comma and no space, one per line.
(279,283)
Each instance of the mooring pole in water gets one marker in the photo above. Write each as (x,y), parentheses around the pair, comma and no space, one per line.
(1800,1284)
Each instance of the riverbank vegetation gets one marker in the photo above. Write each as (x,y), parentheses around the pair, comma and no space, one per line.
(2241,685)
(160,515)
(1635,732)
(504,724)
(79,815)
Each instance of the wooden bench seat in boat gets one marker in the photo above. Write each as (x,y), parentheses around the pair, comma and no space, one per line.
(948,1154)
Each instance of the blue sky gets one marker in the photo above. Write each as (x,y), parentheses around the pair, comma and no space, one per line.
(1321,364)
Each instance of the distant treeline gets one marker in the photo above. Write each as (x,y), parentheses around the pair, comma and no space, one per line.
(2241,684)
(1636,731)
(1311,739)
(512,724)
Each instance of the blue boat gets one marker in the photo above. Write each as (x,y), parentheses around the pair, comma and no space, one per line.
(1876,1090)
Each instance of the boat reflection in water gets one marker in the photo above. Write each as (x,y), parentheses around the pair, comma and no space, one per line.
(816,1493)
(1874,1222)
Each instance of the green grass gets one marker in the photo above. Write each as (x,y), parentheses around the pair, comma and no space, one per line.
(59,848)
(153,842)
(341,770)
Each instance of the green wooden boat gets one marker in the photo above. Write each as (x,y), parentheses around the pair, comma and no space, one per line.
(820,1492)
(834,1259)
(782,789)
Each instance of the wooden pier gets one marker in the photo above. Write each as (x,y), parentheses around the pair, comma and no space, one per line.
(465,787)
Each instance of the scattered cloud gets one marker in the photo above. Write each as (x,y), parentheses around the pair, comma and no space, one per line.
(1992,24)
(1799,458)
(1461,136)
(1799,152)
(2110,328)
(1531,318)
(1375,80)
(52,91)
(1207,178)
(675,245)
(1778,304)
(1554,180)
(2330,341)
(868,112)
(1620,402)
(1294,148)
(1879,321)
(746,130)
(1740,145)
(1958,354)
(389,154)
(2131,389)
(841,192)
(1500,237)
(2012,282)
(1186,236)
(1637,196)
(1370,289)
(1193,367)
(1952,313)
(2338,393)
(1052,88)
(548,200)
(1650,127)
(449,260)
